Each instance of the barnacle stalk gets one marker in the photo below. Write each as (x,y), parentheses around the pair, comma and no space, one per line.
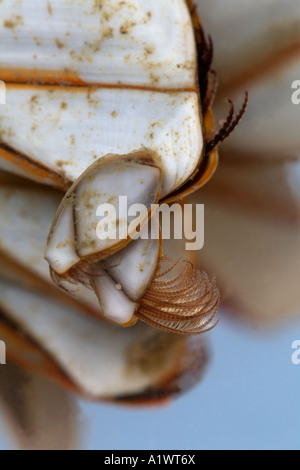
(98,361)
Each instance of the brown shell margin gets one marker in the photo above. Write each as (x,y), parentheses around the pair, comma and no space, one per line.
(207,84)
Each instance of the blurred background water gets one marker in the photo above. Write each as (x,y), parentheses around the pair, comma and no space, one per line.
(249,399)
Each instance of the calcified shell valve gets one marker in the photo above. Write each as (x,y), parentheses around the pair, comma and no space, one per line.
(123,271)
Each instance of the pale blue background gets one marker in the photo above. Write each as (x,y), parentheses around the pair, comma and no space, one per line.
(249,399)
